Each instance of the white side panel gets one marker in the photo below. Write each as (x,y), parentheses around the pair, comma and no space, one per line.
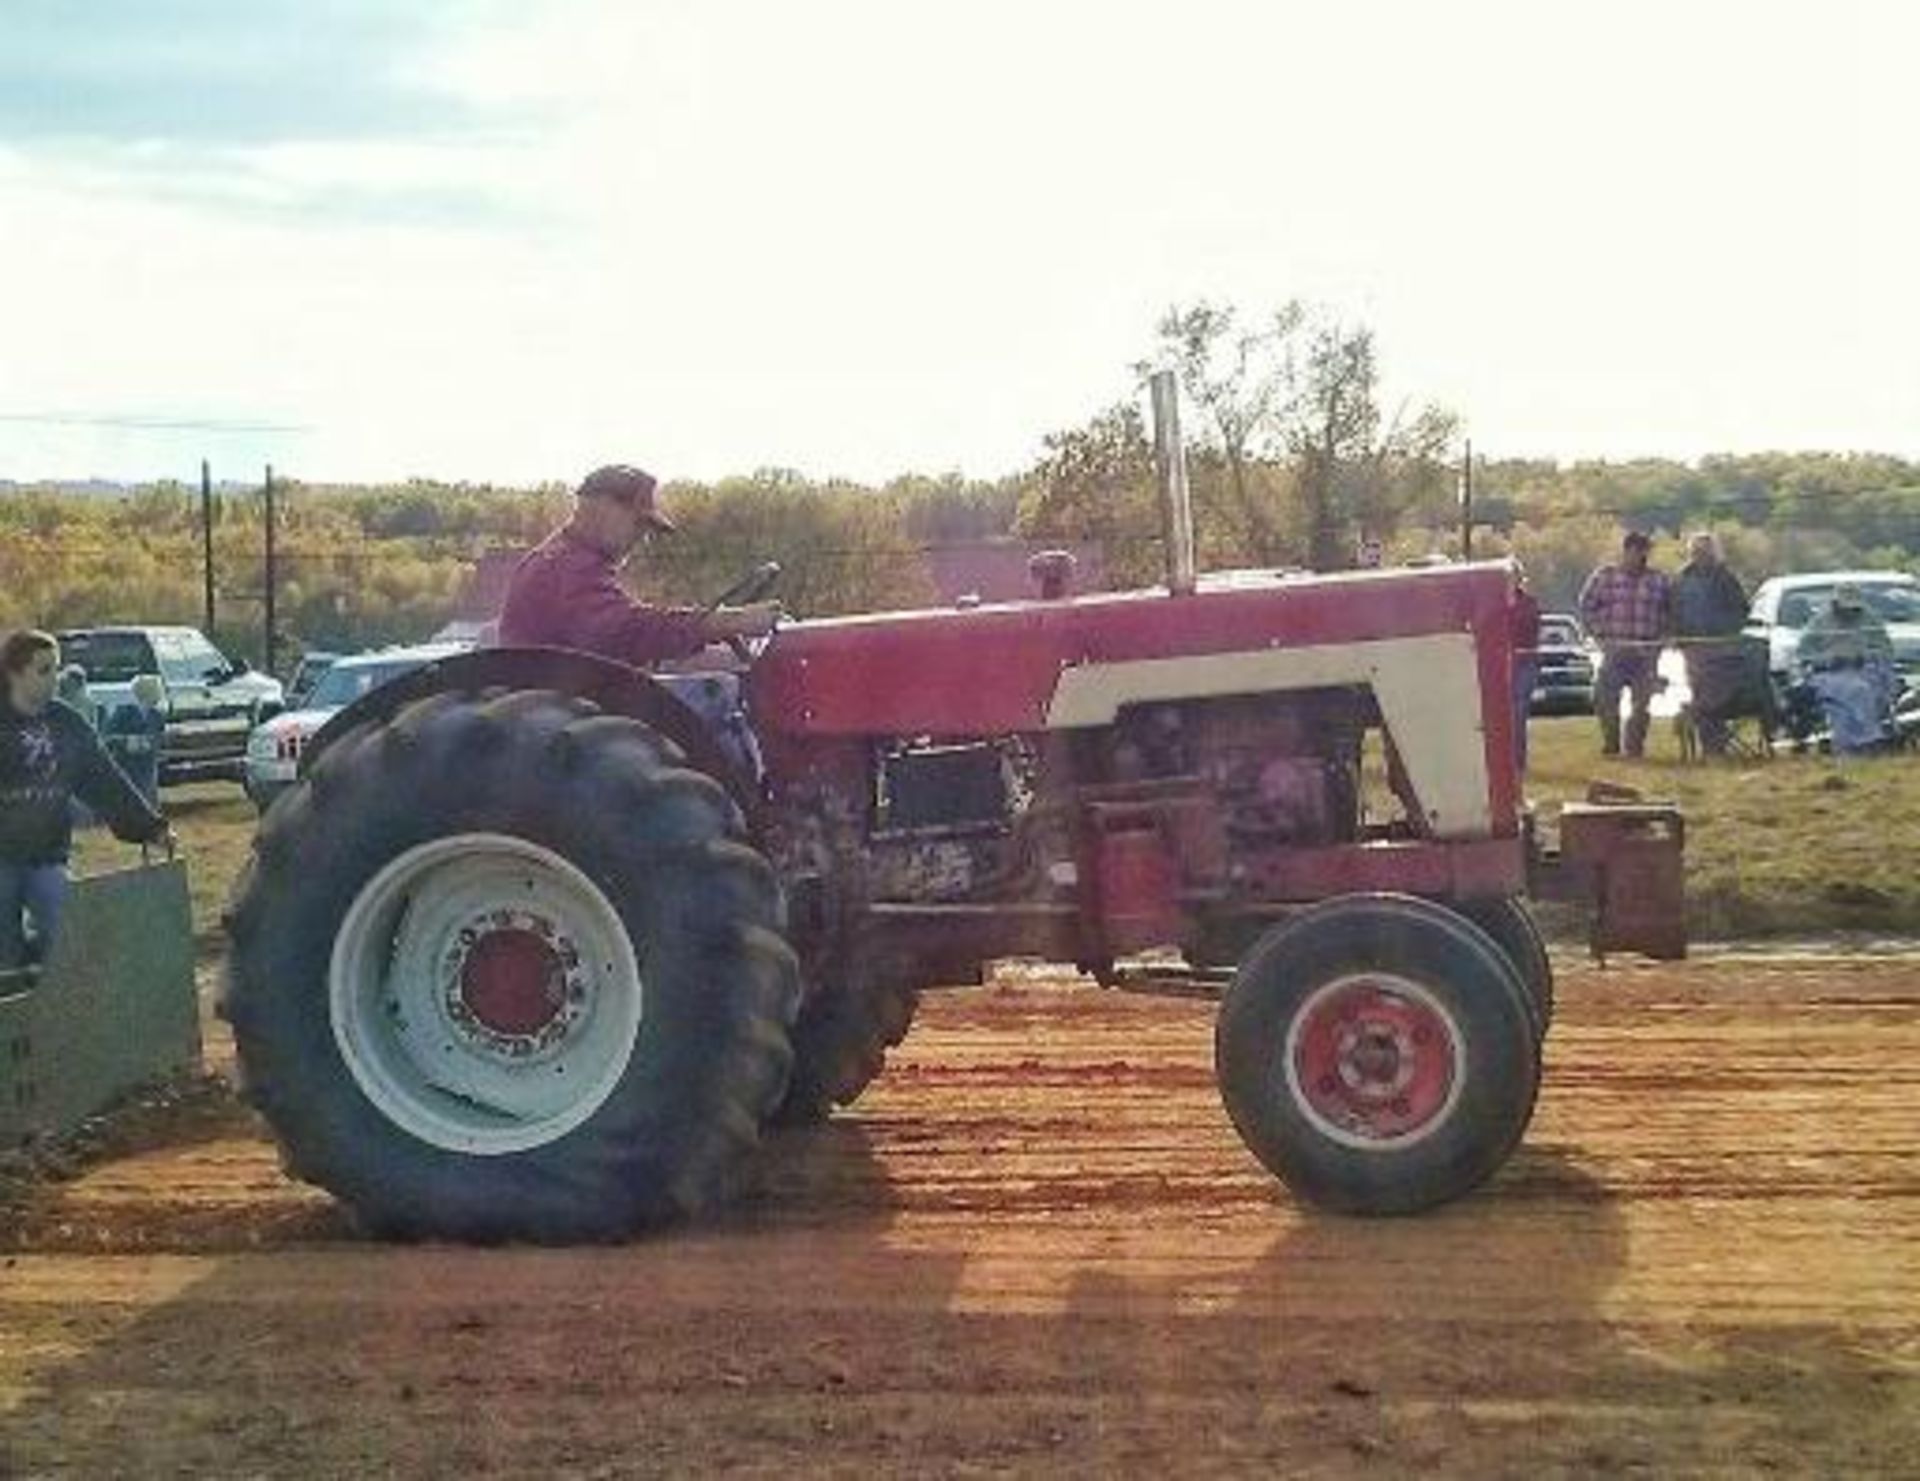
(1428,690)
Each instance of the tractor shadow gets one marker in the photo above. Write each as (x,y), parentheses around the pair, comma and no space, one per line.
(834,1175)
(1482,1338)
(296,1346)
(814,1319)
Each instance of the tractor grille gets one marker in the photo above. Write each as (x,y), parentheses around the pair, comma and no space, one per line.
(942,787)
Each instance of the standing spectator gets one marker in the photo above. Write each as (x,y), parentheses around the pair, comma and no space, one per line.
(134,733)
(1524,626)
(1628,609)
(71,691)
(48,756)
(70,688)
(1709,612)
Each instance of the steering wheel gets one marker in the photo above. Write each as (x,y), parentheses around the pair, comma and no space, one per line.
(752,587)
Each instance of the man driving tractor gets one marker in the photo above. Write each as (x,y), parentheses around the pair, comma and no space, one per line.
(567,592)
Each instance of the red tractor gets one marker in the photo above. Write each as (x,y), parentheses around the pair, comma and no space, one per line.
(539,945)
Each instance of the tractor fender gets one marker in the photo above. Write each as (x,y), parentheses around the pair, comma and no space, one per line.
(615,687)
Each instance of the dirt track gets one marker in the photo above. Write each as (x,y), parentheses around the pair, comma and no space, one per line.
(1039,1246)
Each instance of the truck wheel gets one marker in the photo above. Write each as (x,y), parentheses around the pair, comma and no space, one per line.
(840,1044)
(1513,930)
(501,970)
(1377,1055)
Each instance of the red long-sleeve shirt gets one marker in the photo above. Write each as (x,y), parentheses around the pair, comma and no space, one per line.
(566,594)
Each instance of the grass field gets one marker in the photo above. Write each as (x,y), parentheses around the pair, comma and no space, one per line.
(1793,846)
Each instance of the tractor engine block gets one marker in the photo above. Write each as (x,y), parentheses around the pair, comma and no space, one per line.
(943,817)
(1281,770)
(1284,769)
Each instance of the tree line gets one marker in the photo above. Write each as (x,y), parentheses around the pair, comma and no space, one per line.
(1294,457)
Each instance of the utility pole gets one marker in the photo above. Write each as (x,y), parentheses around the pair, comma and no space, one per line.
(273,573)
(206,542)
(1466,505)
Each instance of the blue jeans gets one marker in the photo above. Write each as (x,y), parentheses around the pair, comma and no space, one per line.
(30,890)
(1858,703)
(1634,668)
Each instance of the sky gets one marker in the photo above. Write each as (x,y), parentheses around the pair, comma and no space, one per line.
(469,239)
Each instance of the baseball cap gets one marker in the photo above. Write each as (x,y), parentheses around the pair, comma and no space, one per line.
(627,485)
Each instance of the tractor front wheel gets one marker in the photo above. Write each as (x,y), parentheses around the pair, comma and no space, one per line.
(1512,928)
(1377,1054)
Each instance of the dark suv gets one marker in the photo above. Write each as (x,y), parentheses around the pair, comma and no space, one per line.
(211,704)
(1563,682)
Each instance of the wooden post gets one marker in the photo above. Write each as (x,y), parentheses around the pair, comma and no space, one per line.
(206,543)
(1466,505)
(272,575)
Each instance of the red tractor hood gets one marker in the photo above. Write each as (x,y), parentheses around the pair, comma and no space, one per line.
(1000,670)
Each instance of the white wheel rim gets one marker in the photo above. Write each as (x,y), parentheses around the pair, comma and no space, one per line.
(1352,1132)
(416,987)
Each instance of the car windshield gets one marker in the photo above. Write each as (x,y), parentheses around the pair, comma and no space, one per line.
(1890,601)
(309,672)
(187,658)
(346,682)
(108,658)
(1559,632)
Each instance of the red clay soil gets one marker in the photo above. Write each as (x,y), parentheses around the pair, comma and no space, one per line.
(1038,1246)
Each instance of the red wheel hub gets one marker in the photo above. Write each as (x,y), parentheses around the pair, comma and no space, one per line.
(1373,1061)
(512,982)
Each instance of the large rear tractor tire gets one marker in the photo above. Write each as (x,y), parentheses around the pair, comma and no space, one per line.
(502,970)
(1377,1054)
(841,1041)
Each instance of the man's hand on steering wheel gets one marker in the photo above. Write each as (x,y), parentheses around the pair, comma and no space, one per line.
(750,588)
(740,613)
(755,620)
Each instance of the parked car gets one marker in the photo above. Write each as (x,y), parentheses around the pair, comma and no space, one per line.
(273,752)
(1563,684)
(211,703)
(307,673)
(1783,606)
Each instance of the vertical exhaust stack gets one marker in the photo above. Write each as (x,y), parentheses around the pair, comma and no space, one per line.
(1176,502)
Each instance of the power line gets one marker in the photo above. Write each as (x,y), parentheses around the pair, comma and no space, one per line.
(152,424)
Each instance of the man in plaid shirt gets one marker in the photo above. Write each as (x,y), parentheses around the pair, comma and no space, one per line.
(1629,610)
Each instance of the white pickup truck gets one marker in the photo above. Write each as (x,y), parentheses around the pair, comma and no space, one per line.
(211,703)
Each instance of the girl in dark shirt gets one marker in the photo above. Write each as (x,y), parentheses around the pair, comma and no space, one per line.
(50,755)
